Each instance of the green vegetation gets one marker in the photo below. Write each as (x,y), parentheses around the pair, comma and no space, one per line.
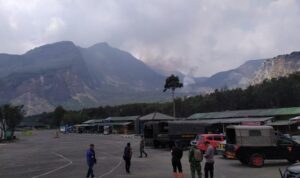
(10,118)
(172,82)
(275,93)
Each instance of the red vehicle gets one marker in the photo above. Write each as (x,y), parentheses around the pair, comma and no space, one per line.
(214,140)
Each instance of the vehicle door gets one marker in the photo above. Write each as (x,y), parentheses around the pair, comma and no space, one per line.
(285,148)
(211,140)
(217,140)
(200,142)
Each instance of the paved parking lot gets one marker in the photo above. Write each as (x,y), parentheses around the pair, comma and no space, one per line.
(40,155)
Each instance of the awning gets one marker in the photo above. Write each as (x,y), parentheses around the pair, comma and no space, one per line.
(295,118)
(282,123)
(235,120)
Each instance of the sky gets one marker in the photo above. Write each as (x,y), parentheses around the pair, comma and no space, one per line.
(195,37)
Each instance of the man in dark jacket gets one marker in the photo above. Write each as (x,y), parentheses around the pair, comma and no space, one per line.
(91,160)
(176,160)
(127,157)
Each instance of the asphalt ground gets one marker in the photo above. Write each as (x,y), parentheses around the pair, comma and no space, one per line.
(41,155)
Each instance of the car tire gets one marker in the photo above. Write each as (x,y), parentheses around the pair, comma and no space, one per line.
(256,160)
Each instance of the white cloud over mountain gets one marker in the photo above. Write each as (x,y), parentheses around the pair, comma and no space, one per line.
(197,37)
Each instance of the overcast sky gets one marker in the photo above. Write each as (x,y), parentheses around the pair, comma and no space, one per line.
(196,37)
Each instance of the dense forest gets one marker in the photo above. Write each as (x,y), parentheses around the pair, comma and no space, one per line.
(275,93)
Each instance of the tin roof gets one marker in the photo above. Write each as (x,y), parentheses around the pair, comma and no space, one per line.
(92,121)
(247,113)
(156,116)
(123,118)
(234,120)
(282,123)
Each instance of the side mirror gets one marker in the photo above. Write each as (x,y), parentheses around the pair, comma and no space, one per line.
(193,143)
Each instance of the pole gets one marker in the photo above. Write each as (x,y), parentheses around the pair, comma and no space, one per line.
(174,113)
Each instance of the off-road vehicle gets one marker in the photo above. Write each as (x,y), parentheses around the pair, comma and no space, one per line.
(258,143)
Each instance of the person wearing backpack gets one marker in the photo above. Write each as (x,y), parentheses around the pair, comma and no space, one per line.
(195,159)
(127,157)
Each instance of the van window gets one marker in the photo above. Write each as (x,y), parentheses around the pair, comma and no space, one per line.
(218,138)
(210,138)
(254,133)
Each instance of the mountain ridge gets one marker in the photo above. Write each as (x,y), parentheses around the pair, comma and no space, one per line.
(63,73)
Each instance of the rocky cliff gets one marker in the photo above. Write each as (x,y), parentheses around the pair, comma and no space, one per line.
(281,65)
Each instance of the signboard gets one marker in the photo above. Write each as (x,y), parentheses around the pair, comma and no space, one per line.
(251,123)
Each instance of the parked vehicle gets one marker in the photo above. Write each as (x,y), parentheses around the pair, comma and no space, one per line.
(107,130)
(221,147)
(165,133)
(292,171)
(229,151)
(296,138)
(258,143)
(214,140)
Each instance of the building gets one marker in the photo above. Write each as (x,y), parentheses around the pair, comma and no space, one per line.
(123,125)
(279,118)
(156,116)
(116,125)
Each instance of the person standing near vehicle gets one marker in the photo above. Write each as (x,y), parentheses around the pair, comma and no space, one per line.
(127,157)
(142,148)
(176,160)
(209,163)
(91,160)
(195,159)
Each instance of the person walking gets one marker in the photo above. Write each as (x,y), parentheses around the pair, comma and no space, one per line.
(195,159)
(142,148)
(209,163)
(176,160)
(127,157)
(91,160)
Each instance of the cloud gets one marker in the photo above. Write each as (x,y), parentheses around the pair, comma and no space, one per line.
(196,37)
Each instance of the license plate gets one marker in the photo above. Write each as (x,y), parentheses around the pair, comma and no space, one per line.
(221,146)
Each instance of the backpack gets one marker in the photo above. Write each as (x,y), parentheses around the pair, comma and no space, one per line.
(198,155)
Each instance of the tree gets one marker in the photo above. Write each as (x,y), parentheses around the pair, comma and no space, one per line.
(10,117)
(172,82)
(58,114)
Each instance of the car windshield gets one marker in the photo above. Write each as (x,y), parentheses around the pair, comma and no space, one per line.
(296,138)
(199,137)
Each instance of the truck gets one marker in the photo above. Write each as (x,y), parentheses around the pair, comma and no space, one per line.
(165,133)
(255,144)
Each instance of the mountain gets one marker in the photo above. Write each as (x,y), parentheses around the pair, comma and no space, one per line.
(250,73)
(74,77)
(281,65)
(239,77)
(115,68)
(65,74)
